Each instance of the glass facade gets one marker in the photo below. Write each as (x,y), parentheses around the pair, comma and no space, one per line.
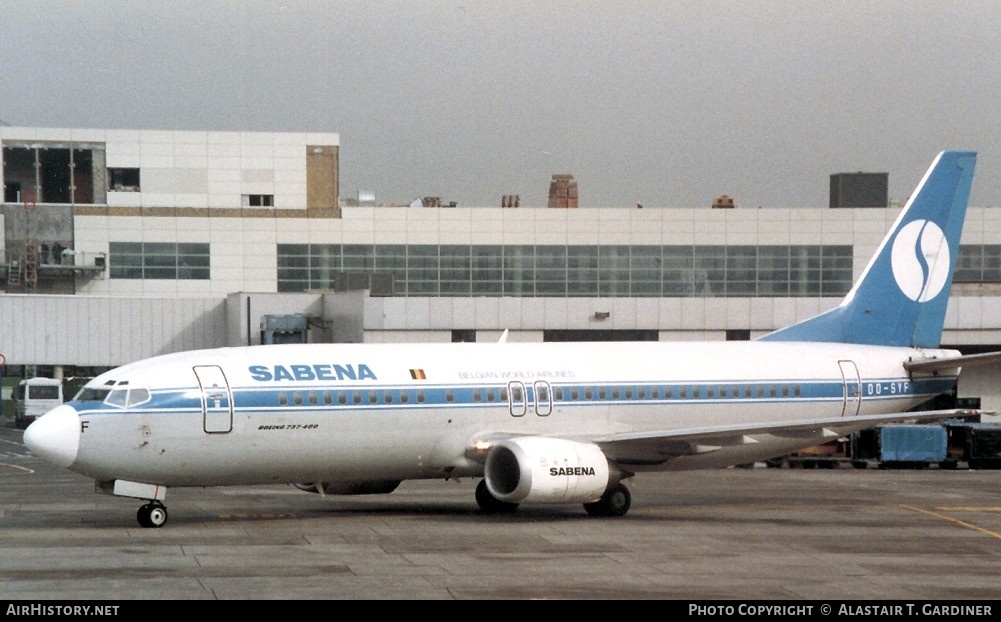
(978,264)
(526,270)
(584,270)
(158,260)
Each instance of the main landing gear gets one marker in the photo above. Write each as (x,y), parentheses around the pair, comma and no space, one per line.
(615,502)
(152,514)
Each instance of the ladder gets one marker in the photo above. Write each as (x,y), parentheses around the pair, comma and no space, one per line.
(14,271)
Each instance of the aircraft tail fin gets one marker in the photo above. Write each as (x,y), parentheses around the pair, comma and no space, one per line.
(901,297)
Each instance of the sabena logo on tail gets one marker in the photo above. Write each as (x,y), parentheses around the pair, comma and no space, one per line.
(920,260)
(900,299)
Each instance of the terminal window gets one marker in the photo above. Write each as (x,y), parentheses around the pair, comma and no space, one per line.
(258,200)
(123,179)
(159,260)
(574,270)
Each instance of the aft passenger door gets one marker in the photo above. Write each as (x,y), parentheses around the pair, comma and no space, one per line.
(217,399)
(853,388)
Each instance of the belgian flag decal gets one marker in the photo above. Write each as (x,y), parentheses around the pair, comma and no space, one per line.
(417,374)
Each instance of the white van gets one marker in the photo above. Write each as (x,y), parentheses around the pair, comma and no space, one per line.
(35,397)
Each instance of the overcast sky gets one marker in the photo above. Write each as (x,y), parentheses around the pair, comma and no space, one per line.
(667,103)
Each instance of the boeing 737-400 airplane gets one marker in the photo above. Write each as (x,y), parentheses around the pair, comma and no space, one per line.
(538,422)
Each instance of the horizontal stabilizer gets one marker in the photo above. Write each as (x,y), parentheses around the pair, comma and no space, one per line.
(938,364)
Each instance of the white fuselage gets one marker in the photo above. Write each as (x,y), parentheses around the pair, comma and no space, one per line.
(345,412)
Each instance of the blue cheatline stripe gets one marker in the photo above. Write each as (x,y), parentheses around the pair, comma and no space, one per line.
(399,397)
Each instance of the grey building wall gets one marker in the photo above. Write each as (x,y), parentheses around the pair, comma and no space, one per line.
(101,331)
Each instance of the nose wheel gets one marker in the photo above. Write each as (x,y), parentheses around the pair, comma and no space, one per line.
(152,514)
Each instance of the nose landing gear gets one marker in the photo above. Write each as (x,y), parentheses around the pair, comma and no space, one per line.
(152,515)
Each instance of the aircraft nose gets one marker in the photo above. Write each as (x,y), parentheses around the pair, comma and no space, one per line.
(55,436)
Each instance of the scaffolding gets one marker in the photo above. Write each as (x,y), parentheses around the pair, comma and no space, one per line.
(30,267)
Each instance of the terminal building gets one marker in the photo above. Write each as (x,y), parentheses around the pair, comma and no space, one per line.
(124,244)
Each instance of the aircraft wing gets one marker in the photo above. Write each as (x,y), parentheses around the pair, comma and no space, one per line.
(656,447)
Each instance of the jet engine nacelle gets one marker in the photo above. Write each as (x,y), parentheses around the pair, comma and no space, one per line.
(535,469)
(351,488)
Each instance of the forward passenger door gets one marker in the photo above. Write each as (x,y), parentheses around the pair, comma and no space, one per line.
(217,399)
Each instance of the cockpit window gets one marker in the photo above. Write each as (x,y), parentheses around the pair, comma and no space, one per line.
(122,397)
(117,397)
(138,396)
(87,394)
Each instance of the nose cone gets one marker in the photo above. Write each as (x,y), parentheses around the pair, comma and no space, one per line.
(55,436)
